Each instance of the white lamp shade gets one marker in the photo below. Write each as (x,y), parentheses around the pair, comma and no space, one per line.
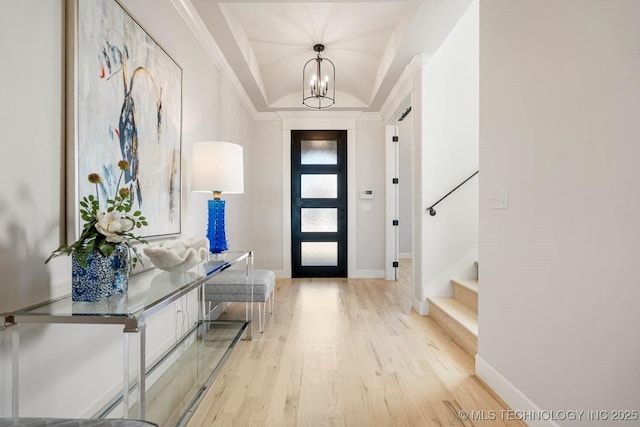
(217,166)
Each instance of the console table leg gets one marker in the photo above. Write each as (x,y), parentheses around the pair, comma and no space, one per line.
(141,373)
(138,327)
(15,372)
(248,307)
(125,375)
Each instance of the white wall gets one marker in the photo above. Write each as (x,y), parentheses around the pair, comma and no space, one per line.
(268,237)
(32,121)
(31,32)
(56,361)
(446,149)
(370,176)
(272,216)
(559,102)
(31,116)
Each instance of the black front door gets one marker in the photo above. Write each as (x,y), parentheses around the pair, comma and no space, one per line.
(319,203)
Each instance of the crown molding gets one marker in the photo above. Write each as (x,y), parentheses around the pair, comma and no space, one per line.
(346,119)
(266,115)
(371,116)
(191,17)
(402,89)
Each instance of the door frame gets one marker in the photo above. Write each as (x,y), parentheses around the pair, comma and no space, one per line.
(339,203)
(314,120)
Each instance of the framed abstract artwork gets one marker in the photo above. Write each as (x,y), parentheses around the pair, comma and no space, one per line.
(124,102)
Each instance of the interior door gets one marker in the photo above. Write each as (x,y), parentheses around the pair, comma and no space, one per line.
(319,203)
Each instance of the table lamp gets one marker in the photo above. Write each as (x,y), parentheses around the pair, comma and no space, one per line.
(217,168)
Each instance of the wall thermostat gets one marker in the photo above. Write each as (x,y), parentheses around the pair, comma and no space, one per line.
(366,194)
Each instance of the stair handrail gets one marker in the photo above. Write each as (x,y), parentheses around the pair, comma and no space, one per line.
(431,209)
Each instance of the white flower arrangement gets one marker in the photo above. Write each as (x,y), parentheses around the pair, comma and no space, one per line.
(104,230)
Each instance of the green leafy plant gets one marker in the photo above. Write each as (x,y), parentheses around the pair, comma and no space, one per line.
(105,229)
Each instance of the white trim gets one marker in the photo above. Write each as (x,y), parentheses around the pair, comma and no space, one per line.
(281,274)
(367,274)
(191,17)
(509,393)
(315,120)
(352,200)
(416,201)
(286,201)
(400,97)
(421,307)
(389,202)
(371,116)
(403,87)
(246,49)
(266,116)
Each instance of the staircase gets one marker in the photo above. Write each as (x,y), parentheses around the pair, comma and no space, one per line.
(458,315)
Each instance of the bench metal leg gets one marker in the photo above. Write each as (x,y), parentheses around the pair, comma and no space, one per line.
(271,298)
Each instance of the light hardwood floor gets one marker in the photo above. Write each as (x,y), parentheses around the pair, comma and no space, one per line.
(340,352)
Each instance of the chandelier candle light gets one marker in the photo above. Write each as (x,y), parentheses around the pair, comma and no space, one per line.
(318,89)
(217,168)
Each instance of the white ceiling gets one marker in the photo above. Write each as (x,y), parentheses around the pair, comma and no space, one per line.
(267,43)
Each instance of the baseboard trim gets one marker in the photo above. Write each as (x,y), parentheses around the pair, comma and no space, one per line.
(510,394)
(357,274)
(280,274)
(367,274)
(421,307)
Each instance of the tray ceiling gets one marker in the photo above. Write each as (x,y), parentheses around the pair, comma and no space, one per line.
(267,43)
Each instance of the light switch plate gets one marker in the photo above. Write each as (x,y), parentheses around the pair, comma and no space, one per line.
(499,199)
(365,206)
(366,194)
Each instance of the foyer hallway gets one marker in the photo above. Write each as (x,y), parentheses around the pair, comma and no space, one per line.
(347,352)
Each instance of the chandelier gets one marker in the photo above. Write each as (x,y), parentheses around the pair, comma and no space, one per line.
(318,81)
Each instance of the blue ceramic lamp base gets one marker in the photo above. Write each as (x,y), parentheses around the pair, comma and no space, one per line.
(216,232)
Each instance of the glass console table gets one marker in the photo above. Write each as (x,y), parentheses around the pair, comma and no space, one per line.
(148,293)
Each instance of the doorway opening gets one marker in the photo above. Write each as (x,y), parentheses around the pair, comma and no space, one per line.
(319,203)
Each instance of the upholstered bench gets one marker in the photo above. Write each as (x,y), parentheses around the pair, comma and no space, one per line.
(231,286)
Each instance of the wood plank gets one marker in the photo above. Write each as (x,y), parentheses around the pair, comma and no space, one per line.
(466,291)
(346,353)
(457,320)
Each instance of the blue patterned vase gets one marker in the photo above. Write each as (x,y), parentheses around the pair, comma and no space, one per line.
(102,277)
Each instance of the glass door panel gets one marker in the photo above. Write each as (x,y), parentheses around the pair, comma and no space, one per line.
(319,220)
(318,152)
(319,186)
(319,254)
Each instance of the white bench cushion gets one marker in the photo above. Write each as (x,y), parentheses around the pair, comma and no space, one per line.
(231,286)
